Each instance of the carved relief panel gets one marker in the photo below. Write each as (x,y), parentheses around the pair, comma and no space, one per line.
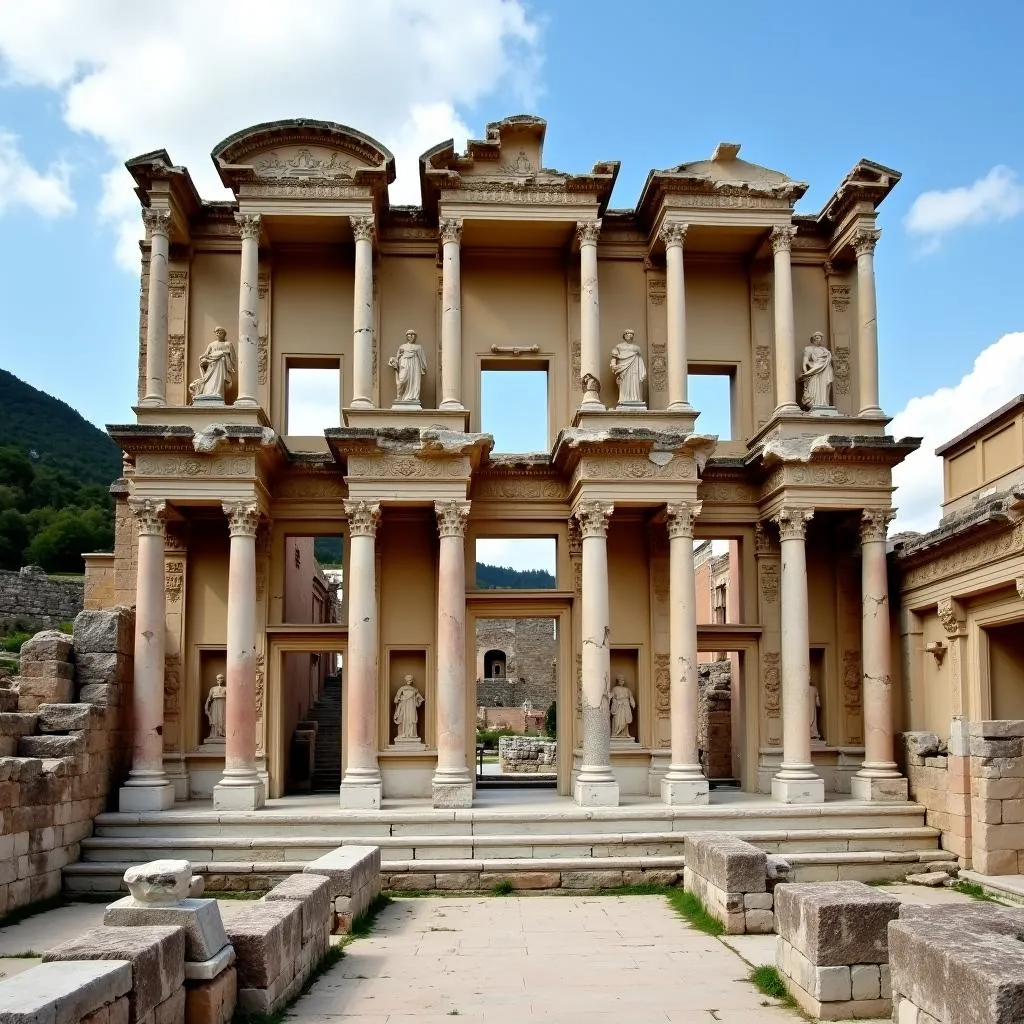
(657,337)
(263,353)
(769,609)
(658,553)
(177,332)
(761,341)
(841,328)
(175,572)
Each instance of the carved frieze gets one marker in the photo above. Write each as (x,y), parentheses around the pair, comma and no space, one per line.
(305,163)
(762,296)
(407,467)
(174,580)
(662,686)
(656,289)
(968,557)
(184,466)
(771,684)
(947,612)
(578,684)
(841,369)
(175,358)
(729,493)
(510,191)
(764,540)
(827,474)
(304,190)
(172,685)
(681,467)
(852,695)
(657,372)
(262,359)
(768,572)
(513,488)
(311,485)
(576,374)
(177,282)
(762,369)
(724,199)
(840,296)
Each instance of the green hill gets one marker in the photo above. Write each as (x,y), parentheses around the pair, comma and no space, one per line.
(501,577)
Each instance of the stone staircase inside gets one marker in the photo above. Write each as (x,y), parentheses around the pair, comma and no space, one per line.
(327,753)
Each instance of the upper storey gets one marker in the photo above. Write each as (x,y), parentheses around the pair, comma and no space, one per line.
(505,265)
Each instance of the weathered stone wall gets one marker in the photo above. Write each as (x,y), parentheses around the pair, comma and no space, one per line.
(714,717)
(531,662)
(526,754)
(30,600)
(940,781)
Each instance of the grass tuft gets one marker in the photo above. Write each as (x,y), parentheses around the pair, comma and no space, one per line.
(503,888)
(687,905)
(243,894)
(363,924)
(975,891)
(768,981)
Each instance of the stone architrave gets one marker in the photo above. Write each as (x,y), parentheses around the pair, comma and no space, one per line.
(248,311)
(158,226)
(587,233)
(363,231)
(674,237)
(451,314)
(785,334)
(867,321)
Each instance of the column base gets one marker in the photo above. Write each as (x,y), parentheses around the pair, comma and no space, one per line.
(452,794)
(244,402)
(592,407)
(685,791)
(152,401)
(684,407)
(362,403)
(249,795)
(596,794)
(790,409)
(872,412)
(361,796)
(154,796)
(810,790)
(894,790)
(450,405)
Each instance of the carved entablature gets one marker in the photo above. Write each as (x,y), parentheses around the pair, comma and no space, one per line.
(392,467)
(517,484)
(828,476)
(956,559)
(311,484)
(191,467)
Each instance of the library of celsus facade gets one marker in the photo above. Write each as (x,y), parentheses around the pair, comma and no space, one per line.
(505,267)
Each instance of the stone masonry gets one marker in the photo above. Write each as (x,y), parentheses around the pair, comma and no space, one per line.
(714,717)
(29,599)
(527,755)
(531,658)
(730,877)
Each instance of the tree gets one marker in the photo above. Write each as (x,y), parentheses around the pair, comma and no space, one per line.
(14,535)
(551,721)
(59,545)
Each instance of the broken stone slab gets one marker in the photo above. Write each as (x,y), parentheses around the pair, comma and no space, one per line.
(778,870)
(106,631)
(349,868)
(921,744)
(160,883)
(206,970)
(204,931)
(726,862)
(999,729)
(934,879)
(63,992)
(59,718)
(49,645)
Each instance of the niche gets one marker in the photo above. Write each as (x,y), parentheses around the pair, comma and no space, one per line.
(407,694)
(212,663)
(623,705)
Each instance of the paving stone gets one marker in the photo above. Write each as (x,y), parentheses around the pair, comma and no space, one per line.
(929,878)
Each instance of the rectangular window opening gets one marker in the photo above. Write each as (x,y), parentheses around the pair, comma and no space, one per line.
(313,580)
(313,396)
(711,393)
(514,408)
(716,569)
(516,563)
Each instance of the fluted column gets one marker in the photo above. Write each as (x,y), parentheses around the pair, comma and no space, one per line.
(451,314)
(684,783)
(785,330)
(147,787)
(452,783)
(878,778)
(240,787)
(248,310)
(362,314)
(867,321)
(674,236)
(590,315)
(158,226)
(595,784)
(361,785)
(796,781)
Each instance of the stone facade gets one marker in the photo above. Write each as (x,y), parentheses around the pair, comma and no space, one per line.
(525,654)
(526,755)
(31,600)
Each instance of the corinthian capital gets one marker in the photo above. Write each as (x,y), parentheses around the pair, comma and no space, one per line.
(593,518)
(865,240)
(874,523)
(452,517)
(363,228)
(363,518)
(673,234)
(450,230)
(681,516)
(587,231)
(243,517)
(782,238)
(248,225)
(792,522)
(157,222)
(149,516)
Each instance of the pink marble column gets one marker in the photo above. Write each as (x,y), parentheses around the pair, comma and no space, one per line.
(796,781)
(674,237)
(452,783)
(147,787)
(785,328)
(361,786)
(362,314)
(878,778)
(684,783)
(451,314)
(240,787)
(248,310)
(587,233)
(595,783)
(158,226)
(867,321)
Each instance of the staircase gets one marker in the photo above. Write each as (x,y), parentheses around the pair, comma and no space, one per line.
(327,757)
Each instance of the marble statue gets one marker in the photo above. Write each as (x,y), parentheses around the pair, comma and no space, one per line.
(817,376)
(409,364)
(407,702)
(217,364)
(216,702)
(815,703)
(621,702)
(630,372)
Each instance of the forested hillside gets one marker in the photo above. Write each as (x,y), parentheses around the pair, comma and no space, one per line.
(500,577)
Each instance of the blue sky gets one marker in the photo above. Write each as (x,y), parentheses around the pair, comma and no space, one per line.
(933,90)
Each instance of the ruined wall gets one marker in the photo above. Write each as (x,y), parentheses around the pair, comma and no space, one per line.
(30,600)
(531,662)
(714,718)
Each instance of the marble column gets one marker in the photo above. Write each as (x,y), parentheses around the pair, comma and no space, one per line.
(590,315)
(878,778)
(684,783)
(147,787)
(362,314)
(785,330)
(248,311)
(595,783)
(674,236)
(452,783)
(240,787)
(796,781)
(361,786)
(158,226)
(451,314)
(867,321)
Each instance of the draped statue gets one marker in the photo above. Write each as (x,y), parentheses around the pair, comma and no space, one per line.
(407,702)
(215,708)
(621,704)
(409,364)
(217,366)
(630,372)
(817,376)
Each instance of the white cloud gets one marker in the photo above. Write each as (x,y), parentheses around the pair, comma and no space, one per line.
(314,401)
(996,197)
(397,69)
(996,377)
(46,193)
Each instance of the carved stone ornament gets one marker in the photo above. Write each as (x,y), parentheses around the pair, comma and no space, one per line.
(769,576)
(248,225)
(680,517)
(658,374)
(363,228)
(450,230)
(177,283)
(673,234)
(593,518)
(763,369)
(840,297)
(865,240)
(662,685)
(303,165)
(243,517)
(363,518)
(967,557)
(792,522)
(175,358)
(772,683)
(452,517)
(764,542)
(852,699)
(656,289)
(575,538)
(874,523)
(174,580)
(762,296)
(157,222)
(1019,584)
(587,232)
(841,370)
(782,238)
(149,516)
(577,382)
(951,623)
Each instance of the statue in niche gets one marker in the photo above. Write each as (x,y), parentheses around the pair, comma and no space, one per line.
(407,703)
(630,372)
(815,704)
(217,365)
(817,376)
(216,704)
(409,364)
(621,703)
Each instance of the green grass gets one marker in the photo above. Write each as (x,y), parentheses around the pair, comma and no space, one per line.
(975,891)
(363,924)
(687,906)
(768,981)
(503,888)
(29,954)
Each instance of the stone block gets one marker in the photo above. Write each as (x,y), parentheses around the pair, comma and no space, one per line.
(155,952)
(726,862)
(521,879)
(266,937)
(884,981)
(160,882)
(55,993)
(835,923)
(864,981)
(50,746)
(204,931)
(49,645)
(591,879)
(103,694)
(757,901)
(313,892)
(212,1002)
(998,837)
(994,862)
(43,690)
(350,868)
(996,748)
(999,729)
(171,1010)
(1011,788)
(465,881)
(69,717)
(759,922)
(47,670)
(107,631)
(921,744)
(831,984)
(99,668)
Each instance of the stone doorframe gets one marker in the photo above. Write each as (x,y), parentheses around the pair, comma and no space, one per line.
(509,605)
(282,640)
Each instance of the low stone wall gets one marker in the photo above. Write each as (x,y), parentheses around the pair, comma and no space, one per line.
(833,950)
(72,993)
(29,599)
(730,877)
(354,876)
(548,876)
(527,754)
